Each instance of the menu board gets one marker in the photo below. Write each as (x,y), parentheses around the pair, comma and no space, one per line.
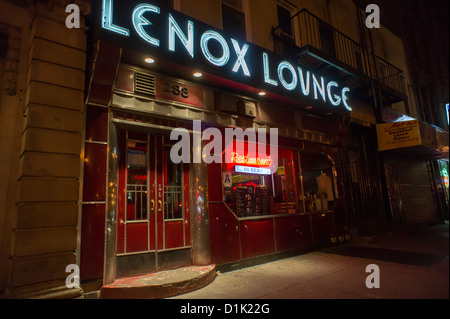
(263,200)
(245,201)
(136,158)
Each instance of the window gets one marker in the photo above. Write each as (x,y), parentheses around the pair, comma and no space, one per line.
(284,20)
(317,181)
(251,190)
(326,38)
(233,18)
(136,187)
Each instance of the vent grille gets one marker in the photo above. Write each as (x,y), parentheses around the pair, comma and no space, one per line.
(144,84)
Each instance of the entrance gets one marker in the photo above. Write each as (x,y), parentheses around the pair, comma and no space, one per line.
(153,222)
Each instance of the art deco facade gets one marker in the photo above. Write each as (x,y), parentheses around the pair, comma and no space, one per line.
(86,176)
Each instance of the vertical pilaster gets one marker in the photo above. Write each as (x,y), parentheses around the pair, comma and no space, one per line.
(44,235)
(201,251)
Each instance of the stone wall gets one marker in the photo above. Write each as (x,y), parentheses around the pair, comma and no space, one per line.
(40,230)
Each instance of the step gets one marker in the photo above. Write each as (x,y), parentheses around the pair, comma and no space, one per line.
(161,284)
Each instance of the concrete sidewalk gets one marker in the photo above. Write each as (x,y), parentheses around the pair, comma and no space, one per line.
(412,265)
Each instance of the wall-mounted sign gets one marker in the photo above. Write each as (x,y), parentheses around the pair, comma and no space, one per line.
(398,135)
(252,170)
(152,29)
(179,92)
(136,158)
(227,179)
(250,160)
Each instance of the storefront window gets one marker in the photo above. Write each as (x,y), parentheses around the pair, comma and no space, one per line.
(136,181)
(317,178)
(250,189)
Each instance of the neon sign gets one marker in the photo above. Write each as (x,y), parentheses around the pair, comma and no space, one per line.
(247,160)
(444,174)
(199,45)
(252,170)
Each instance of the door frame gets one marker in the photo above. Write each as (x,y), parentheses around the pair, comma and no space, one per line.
(168,258)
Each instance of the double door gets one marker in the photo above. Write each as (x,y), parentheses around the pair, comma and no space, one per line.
(153,222)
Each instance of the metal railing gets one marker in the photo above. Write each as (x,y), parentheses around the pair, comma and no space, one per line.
(311,31)
(173,202)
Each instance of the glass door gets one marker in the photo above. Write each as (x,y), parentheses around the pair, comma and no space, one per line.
(153,206)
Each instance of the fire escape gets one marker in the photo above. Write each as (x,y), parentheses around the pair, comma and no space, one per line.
(326,51)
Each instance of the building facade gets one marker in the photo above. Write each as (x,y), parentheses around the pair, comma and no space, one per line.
(94,118)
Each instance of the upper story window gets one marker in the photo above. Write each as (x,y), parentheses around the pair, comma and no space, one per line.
(284,20)
(233,18)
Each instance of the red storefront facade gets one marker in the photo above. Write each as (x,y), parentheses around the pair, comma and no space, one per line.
(141,212)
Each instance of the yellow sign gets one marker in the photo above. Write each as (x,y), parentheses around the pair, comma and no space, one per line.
(398,135)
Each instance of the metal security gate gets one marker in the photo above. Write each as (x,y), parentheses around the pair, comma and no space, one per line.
(415,189)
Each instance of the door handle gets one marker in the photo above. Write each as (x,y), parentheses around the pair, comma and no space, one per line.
(153,205)
(159,206)
(121,221)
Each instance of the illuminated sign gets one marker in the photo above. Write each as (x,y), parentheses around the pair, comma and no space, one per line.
(252,170)
(444,174)
(446,109)
(247,160)
(155,30)
(398,135)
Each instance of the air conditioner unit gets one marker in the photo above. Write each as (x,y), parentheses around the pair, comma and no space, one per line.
(247,108)
(226,102)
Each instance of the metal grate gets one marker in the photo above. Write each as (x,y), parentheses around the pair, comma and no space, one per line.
(144,84)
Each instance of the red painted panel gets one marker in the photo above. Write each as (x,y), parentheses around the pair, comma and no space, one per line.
(92,241)
(121,193)
(94,184)
(125,80)
(305,229)
(120,238)
(159,188)
(174,234)
(340,220)
(215,182)
(96,124)
(137,237)
(257,238)
(287,233)
(224,235)
(322,225)
(187,205)
(292,232)
(152,193)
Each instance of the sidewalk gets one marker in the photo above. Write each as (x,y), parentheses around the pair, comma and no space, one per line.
(412,265)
